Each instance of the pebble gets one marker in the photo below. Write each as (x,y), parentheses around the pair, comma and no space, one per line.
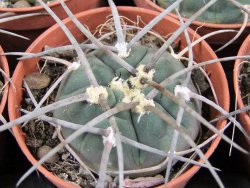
(159,176)
(3,4)
(108,179)
(21,4)
(65,156)
(37,80)
(44,150)
(29,1)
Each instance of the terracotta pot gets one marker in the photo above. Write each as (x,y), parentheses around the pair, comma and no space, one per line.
(45,21)
(55,37)
(204,28)
(5,67)
(32,27)
(244,117)
(244,50)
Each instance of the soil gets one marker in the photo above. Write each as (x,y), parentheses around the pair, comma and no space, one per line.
(41,134)
(244,82)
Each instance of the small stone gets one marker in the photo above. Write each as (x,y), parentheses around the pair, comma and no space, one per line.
(116,179)
(3,4)
(27,100)
(29,1)
(65,156)
(108,179)
(63,176)
(37,80)
(106,184)
(21,4)
(42,151)
(159,176)
(61,151)
(45,1)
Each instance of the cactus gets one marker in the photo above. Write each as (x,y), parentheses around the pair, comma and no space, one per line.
(145,128)
(109,108)
(222,12)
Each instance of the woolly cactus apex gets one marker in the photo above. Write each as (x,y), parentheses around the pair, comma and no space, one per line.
(136,124)
(222,12)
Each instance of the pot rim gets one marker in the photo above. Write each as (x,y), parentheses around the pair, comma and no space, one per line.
(179,180)
(244,50)
(30,9)
(196,23)
(5,67)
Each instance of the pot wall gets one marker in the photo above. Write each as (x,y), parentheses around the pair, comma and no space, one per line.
(244,117)
(244,50)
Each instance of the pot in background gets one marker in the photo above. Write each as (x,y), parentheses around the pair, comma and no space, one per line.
(32,27)
(244,117)
(244,50)
(201,27)
(45,20)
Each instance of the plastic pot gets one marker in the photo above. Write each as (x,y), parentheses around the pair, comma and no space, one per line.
(201,27)
(244,50)
(244,117)
(92,18)
(45,21)
(32,27)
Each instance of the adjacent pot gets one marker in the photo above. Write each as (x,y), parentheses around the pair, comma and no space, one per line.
(92,18)
(45,21)
(244,50)
(5,67)
(202,28)
(32,27)
(244,117)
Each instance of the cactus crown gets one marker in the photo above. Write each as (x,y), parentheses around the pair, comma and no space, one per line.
(137,124)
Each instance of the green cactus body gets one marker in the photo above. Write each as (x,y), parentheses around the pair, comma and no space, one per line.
(147,129)
(221,12)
